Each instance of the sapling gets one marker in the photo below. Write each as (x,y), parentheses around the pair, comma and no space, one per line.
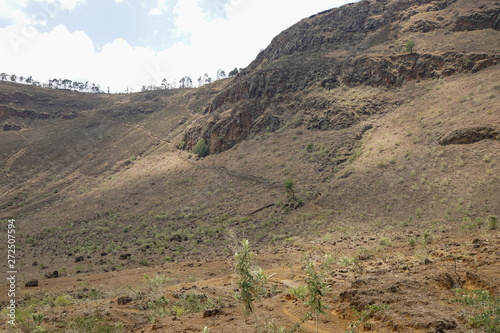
(410,44)
(289,187)
(317,285)
(251,279)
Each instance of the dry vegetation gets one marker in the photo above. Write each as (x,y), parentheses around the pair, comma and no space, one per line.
(399,184)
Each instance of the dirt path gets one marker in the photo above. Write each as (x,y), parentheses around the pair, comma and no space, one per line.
(12,159)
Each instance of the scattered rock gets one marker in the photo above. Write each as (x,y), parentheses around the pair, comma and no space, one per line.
(53,275)
(11,127)
(445,280)
(211,313)
(31,284)
(124,300)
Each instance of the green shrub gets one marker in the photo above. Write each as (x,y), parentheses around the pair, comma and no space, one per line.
(159,307)
(289,187)
(362,317)
(299,292)
(409,45)
(63,300)
(427,237)
(385,241)
(251,280)
(487,309)
(492,222)
(412,240)
(201,148)
(317,285)
(93,324)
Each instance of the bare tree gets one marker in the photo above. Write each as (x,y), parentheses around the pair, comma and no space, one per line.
(185,82)
(221,74)
(164,84)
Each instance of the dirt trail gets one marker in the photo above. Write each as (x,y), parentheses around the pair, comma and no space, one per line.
(12,159)
(134,126)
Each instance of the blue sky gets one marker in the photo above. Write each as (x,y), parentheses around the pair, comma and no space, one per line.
(125,44)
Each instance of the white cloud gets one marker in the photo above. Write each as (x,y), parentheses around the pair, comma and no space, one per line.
(232,41)
(41,55)
(14,10)
(70,4)
(160,8)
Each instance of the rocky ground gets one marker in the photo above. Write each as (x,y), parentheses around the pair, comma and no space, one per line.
(404,283)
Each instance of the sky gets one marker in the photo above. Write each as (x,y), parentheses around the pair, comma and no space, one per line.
(125,44)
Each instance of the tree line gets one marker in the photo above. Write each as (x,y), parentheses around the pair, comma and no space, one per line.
(54,83)
(66,84)
(186,81)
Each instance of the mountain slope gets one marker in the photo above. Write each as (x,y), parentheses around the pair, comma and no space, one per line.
(357,44)
(382,145)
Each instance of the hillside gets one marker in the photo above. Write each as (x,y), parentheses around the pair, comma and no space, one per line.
(384,146)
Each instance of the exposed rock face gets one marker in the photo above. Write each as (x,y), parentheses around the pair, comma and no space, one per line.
(348,46)
(470,135)
(11,127)
(8,112)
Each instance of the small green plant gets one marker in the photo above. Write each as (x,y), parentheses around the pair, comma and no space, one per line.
(38,318)
(159,307)
(251,281)
(93,323)
(412,240)
(201,148)
(317,285)
(309,148)
(299,292)
(39,329)
(153,285)
(355,153)
(354,262)
(492,222)
(94,294)
(194,303)
(289,187)
(205,329)
(486,308)
(63,300)
(385,242)
(426,237)
(409,45)
(362,317)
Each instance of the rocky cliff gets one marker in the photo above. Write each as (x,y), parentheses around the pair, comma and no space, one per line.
(354,45)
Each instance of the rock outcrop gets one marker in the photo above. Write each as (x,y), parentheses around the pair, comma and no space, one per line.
(350,46)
